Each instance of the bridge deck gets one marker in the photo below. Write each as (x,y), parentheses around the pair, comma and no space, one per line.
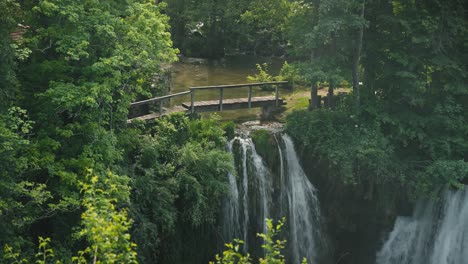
(213,105)
(167,111)
(232,104)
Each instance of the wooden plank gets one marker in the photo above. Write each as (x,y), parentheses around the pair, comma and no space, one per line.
(168,111)
(221,93)
(144,118)
(159,98)
(236,85)
(231,104)
(250,96)
(219,105)
(192,89)
(192,105)
(276,95)
(232,101)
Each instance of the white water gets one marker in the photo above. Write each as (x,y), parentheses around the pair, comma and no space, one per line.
(303,207)
(296,199)
(245,196)
(437,233)
(231,225)
(255,172)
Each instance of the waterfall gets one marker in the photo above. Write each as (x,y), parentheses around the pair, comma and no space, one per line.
(256,194)
(231,226)
(303,207)
(245,196)
(254,178)
(437,233)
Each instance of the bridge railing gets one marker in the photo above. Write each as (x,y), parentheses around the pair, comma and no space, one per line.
(160,99)
(231,86)
(221,88)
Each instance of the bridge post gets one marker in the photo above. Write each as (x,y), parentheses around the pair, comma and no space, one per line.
(276,95)
(160,108)
(250,96)
(192,105)
(221,93)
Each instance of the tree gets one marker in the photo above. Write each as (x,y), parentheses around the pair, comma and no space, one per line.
(88,60)
(212,28)
(325,32)
(104,226)
(412,71)
(9,18)
(266,20)
(22,197)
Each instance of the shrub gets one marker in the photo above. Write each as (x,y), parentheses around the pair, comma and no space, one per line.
(262,76)
(271,244)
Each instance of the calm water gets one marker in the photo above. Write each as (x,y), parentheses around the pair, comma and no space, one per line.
(230,70)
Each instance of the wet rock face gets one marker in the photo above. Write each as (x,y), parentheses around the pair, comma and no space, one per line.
(355,223)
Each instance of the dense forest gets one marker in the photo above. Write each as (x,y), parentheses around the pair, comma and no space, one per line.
(80,184)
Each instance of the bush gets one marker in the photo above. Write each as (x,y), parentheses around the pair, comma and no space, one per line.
(291,74)
(229,129)
(262,76)
(352,150)
(271,244)
(179,179)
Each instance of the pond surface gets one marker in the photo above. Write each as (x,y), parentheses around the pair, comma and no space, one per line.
(190,72)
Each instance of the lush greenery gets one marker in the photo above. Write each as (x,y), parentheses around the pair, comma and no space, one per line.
(406,123)
(178,169)
(211,28)
(69,71)
(402,133)
(75,174)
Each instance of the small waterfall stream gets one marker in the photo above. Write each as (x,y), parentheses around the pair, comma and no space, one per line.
(254,183)
(436,233)
(258,193)
(231,226)
(303,206)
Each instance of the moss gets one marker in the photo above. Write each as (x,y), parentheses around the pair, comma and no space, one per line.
(229,129)
(266,146)
(261,138)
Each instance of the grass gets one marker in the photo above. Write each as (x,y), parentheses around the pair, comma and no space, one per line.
(299,99)
(296,100)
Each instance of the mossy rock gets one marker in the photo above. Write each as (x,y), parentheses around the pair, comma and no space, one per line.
(267,147)
(229,129)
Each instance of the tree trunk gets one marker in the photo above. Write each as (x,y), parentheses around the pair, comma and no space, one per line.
(313,87)
(357,58)
(314,103)
(330,95)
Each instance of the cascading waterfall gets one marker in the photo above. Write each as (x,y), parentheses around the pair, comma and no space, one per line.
(245,196)
(257,195)
(437,233)
(254,179)
(303,206)
(231,225)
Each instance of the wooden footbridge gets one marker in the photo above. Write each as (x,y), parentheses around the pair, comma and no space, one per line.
(221,104)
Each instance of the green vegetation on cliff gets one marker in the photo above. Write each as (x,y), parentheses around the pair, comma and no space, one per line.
(407,121)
